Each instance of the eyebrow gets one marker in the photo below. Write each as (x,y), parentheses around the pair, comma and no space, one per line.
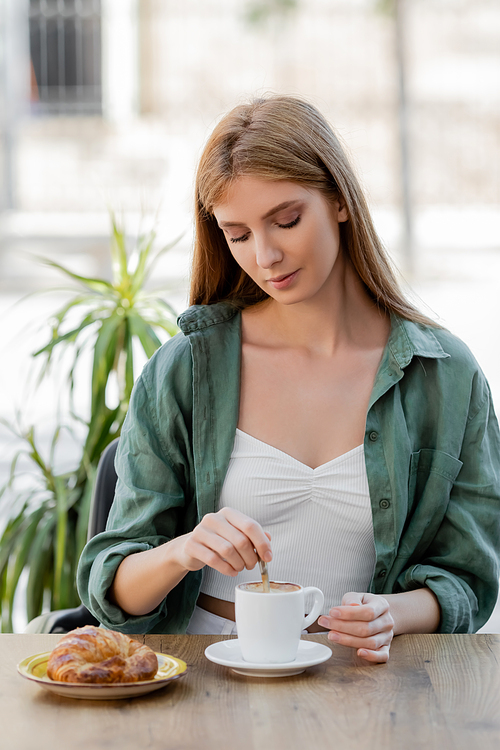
(279,207)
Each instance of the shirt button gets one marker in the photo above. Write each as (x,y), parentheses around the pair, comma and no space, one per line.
(382,573)
(385,504)
(373,436)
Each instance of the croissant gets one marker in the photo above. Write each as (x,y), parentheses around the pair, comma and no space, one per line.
(95,655)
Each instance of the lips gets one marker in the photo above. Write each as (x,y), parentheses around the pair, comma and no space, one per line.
(282,282)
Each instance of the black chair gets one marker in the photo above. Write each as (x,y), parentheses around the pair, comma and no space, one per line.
(64,620)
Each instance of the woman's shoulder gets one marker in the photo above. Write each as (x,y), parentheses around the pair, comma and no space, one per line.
(173,360)
(439,343)
(198,318)
(174,353)
(456,367)
(455,347)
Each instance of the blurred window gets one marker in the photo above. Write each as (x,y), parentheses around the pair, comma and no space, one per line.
(65,48)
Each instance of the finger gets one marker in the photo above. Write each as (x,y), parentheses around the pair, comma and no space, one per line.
(201,554)
(218,524)
(373,607)
(349,614)
(353,598)
(222,546)
(330,621)
(380,656)
(241,544)
(252,530)
(358,628)
(373,643)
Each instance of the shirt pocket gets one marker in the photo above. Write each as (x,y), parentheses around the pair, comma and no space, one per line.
(432,474)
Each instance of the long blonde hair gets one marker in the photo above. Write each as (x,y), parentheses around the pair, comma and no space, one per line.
(283,138)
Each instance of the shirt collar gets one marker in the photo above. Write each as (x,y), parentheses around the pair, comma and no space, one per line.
(198,317)
(408,339)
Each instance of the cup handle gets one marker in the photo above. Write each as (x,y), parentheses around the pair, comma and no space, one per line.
(317,606)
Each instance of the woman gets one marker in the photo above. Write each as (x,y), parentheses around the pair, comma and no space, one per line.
(306,400)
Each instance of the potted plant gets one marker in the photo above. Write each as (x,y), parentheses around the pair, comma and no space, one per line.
(47,521)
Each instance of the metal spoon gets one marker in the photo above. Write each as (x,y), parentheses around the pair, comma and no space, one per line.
(265,576)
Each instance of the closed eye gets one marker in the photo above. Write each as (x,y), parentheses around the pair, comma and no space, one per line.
(290,224)
(244,237)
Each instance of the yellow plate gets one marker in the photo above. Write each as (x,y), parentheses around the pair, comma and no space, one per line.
(34,668)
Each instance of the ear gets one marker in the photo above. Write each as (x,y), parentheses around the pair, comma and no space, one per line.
(343,214)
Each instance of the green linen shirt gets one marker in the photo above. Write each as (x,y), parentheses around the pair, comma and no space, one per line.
(432,452)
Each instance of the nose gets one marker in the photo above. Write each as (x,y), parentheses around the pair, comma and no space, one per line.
(266,252)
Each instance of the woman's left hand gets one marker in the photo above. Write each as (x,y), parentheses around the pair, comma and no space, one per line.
(363,622)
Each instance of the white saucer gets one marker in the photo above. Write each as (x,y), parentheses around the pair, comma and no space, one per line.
(228,654)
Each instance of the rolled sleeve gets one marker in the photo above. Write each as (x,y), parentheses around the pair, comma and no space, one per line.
(154,502)
(100,579)
(458,603)
(461,565)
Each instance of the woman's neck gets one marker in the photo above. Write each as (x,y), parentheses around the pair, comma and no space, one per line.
(340,316)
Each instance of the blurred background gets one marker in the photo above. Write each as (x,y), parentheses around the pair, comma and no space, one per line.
(107,103)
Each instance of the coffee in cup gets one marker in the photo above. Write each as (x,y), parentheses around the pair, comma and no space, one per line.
(269,625)
(275,587)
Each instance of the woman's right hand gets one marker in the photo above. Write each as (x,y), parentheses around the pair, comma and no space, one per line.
(227,541)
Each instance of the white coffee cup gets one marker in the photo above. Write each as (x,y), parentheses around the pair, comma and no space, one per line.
(270,624)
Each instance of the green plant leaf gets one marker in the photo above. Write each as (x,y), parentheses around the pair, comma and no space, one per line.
(79,301)
(84,512)
(3,608)
(60,540)
(46,524)
(168,326)
(84,344)
(104,358)
(66,591)
(19,557)
(96,285)
(99,435)
(9,538)
(53,444)
(141,272)
(118,253)
(145,333)
(41,558)
(68,337)
(12,470)
(128,356)
(37,458)
(6,620)
(158,255)
(154,309)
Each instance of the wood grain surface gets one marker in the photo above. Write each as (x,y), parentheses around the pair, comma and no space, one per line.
(436,692)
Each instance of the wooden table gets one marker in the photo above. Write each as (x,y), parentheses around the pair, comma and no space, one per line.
(437,692)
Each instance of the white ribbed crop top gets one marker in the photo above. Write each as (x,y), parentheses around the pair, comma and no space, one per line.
(320,519)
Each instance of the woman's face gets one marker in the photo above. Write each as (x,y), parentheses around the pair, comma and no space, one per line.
(283,235)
